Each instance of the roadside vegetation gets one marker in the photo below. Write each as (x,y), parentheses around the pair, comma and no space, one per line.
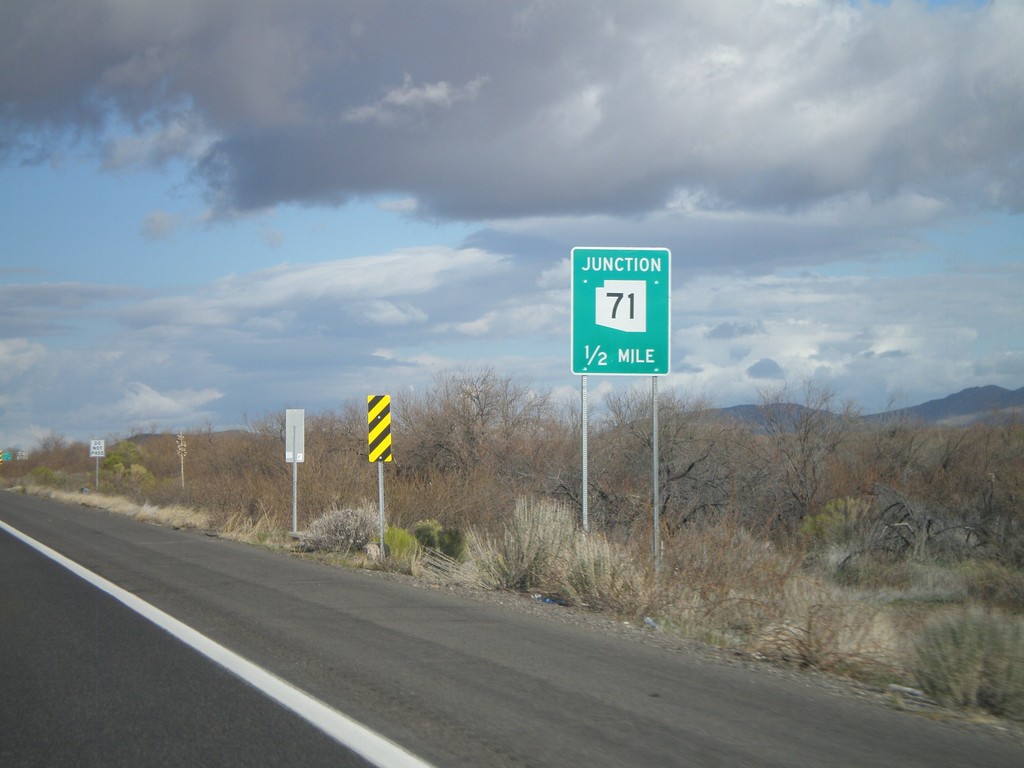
(888,551)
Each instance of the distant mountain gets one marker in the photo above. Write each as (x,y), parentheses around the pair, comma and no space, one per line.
(784,416)
(969,406)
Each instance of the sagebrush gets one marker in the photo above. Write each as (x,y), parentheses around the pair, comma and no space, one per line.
(974,659)
(341,530)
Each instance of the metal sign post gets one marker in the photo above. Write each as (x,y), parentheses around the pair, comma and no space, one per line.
(97,450)
(294,452)
(656,494)
(584,496)
(380,506)
(378,423)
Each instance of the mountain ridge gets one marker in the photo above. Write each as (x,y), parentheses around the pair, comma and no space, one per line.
(974,405)
(968,406)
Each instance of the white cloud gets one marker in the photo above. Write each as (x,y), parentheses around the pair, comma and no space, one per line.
(182,136)
(409,99)
(18,356)
(141,401)
(402,205)
(359,286)
(380,313)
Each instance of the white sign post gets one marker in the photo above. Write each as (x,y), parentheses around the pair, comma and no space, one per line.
(97,450)
(294,452)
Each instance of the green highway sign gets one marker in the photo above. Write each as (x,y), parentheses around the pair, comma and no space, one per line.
(621,308)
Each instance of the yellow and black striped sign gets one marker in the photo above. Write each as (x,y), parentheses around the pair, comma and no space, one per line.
(378,419)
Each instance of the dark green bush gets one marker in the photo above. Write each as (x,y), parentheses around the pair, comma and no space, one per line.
(428,533)
(122,457)
(48,477)
(448,541)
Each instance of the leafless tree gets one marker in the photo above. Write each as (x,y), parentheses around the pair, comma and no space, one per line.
(800,441)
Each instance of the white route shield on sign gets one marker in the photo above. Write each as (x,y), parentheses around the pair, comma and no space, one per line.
(622,304)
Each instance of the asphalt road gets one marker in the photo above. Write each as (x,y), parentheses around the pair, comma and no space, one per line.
(85,681)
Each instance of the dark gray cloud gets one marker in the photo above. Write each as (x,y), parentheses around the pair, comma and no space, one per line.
(53,309)
(732,330)
(501,110)
(766,369)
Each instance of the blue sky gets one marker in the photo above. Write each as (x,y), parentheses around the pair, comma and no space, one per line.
(210,211)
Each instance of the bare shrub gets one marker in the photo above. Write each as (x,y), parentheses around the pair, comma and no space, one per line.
(479,499)
(342,530)
(694,461)
(820,627)
(57,453)
(995,584)
(530,553)
(729,586)
(723,583)
(801,445)
(541,549)
(602,575)
(472,445)
(975,659)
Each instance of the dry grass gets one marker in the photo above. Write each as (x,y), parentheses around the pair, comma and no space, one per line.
(721,584)
(823,627)
(541,550)
(530,552)
(262,530)
(173,516)
(974,659)
(438,568)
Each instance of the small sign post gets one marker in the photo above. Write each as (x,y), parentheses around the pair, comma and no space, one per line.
(378,421)
(294,452)
(97,450)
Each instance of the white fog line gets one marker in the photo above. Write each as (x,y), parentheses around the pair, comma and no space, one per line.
(357,737)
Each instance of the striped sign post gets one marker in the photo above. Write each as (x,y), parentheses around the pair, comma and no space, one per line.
(378,425)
